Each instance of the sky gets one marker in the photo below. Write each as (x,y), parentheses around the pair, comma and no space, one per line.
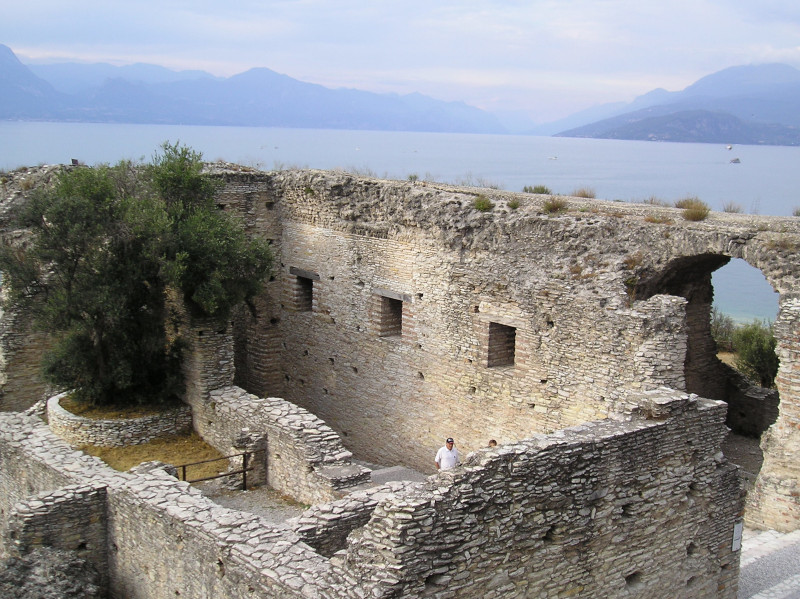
(544,58)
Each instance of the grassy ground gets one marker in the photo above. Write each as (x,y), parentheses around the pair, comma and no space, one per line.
(175,450)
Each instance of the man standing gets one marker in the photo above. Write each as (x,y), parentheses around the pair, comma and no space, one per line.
(447,456)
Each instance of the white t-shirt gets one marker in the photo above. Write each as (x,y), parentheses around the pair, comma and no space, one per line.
(447,458)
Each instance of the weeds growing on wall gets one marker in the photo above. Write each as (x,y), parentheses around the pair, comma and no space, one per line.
(555,206)
(483,203)
(538,189)
(584,192)
(694,209)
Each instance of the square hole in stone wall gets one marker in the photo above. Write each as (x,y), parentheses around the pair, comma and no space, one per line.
(502,345)
(390,317)
(304,294)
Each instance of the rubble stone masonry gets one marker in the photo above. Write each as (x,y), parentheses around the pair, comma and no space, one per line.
(398,315)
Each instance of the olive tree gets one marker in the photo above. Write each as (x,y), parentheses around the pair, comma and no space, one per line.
(107,245)
(754,345)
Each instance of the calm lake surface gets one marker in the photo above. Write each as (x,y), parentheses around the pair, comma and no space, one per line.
(766,180)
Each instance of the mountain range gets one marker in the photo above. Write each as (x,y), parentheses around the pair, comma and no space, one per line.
(258,97)
(744,105)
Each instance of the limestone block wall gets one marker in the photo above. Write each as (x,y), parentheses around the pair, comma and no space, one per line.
(22,475)
(78,431)
(21,384)
(305,459)
(573,285)
(395,397)
(164,539)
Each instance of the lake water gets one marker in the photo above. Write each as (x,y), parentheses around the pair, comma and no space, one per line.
(766,179)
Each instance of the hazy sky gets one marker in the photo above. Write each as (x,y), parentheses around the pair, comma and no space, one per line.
(548,58)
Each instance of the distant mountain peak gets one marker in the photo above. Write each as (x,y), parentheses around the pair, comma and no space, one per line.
(750,104)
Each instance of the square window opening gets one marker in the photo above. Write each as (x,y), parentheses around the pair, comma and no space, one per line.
(502,345)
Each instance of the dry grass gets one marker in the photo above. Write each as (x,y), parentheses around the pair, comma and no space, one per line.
(175,450)
(727,357)
(111,412)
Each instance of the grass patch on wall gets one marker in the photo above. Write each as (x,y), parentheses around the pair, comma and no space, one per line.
(694,209)
(482,203)
(555,206)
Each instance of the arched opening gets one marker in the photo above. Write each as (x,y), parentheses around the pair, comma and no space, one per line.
(707,281)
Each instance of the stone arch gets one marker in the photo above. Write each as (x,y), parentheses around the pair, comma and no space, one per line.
(775,500)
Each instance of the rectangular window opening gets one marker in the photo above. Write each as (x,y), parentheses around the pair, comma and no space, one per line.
(304,294)
(502,345)
(391,317)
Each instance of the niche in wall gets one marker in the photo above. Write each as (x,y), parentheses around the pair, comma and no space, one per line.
(501,345)
(302,289)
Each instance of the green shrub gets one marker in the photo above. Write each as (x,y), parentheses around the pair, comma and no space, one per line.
(796,211)
(513,204)
(483,203)
(413,177)
(539,189)
(555,205)
(694,209)
(732,207)
(754,345)
(584,192)
(108,246)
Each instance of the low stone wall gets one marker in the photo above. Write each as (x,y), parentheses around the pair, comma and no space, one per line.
(325,527)
(644,507)
(305,458)
(78,431)
(163,537)
(71,518)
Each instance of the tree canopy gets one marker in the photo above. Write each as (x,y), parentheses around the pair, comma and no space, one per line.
(107,245)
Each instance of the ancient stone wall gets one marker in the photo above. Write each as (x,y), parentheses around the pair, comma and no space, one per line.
(71,518)
(595,511)
(634,508)
(305,459)
(775,501)
(601,301)
(21,383)
(79,431)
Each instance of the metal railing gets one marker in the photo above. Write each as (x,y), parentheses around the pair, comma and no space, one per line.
(246,467)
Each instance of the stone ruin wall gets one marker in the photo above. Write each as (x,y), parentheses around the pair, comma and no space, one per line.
(570,304)
(606,300)
(538,518)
